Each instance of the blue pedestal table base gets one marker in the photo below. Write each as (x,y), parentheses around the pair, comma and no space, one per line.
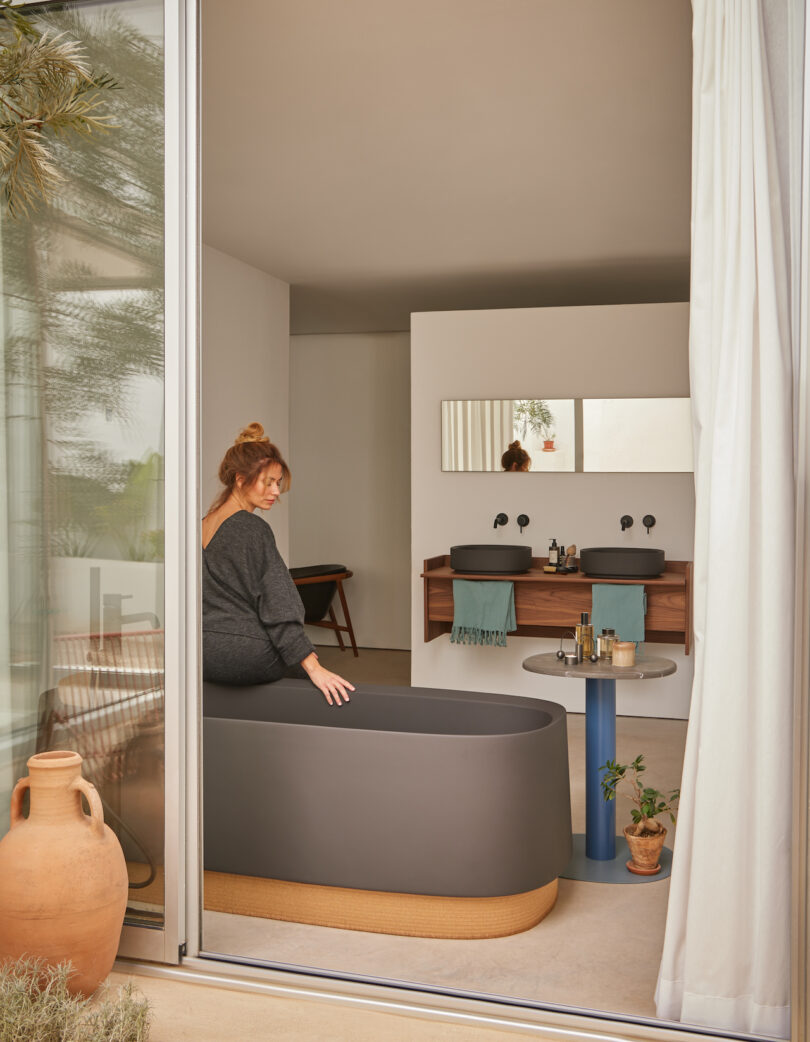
(601,856)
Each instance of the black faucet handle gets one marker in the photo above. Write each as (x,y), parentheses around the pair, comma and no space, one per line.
(500,519)
(648,521)
(522,520)
(626,521)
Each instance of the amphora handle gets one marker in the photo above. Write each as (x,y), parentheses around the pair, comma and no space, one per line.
(93,798)
(17,799)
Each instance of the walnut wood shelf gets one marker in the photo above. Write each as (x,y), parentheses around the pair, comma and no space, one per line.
(547,605)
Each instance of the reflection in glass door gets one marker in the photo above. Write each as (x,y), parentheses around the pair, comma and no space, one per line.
(82,448)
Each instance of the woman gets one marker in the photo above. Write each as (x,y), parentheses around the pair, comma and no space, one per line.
(253,618)
(516,458)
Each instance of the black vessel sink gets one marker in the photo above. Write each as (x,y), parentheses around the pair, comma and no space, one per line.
(491,558)
(621,562)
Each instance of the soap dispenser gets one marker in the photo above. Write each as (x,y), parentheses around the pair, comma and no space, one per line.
(553,553)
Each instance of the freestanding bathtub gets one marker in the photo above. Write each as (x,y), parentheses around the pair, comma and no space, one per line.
(408,810)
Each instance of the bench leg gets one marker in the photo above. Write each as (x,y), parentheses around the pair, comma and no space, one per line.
(346,617)
(337,628)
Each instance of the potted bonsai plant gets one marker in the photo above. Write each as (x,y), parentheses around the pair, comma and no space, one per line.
(645,837)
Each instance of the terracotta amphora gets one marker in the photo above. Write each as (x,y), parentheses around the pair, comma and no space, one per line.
(63,878)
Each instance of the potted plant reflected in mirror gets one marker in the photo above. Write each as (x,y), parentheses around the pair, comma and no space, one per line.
(534,415)
(645,837)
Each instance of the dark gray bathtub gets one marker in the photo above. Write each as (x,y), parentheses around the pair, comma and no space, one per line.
(409,790)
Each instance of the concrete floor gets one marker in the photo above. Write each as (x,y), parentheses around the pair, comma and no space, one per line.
(371,666)
(568,959)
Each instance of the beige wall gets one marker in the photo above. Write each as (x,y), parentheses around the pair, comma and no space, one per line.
(350,501)
(245,367)
(616,351)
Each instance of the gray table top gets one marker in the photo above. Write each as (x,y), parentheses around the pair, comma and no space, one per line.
(645,668)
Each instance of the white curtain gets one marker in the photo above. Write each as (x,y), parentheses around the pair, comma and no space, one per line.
(726,958)
(476,434)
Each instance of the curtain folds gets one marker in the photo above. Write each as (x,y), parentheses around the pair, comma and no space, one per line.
(475,434)
(726,953)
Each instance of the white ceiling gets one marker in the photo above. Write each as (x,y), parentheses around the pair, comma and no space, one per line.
(389,156)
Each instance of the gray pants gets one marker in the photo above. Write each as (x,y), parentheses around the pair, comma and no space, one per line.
(240,661)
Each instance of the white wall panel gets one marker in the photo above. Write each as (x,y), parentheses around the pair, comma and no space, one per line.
(245,367)
(350,502)
(619,351)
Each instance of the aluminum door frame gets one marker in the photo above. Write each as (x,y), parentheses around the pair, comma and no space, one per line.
(181,583)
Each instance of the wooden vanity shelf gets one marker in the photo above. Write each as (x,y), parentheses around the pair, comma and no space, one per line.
(547,605)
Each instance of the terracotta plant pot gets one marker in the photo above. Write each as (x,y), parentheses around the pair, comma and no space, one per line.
(548,446)
(645,852)
(63,878)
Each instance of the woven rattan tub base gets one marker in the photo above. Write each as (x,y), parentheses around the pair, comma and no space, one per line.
(374,911)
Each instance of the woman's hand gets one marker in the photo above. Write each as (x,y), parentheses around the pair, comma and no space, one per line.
(335,689)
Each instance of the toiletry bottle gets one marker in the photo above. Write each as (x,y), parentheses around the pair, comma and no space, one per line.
(604,644)
(554,553)
(587,639)
(601,645)
(584,633)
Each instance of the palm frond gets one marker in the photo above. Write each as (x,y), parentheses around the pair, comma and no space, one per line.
(28,172)
(46,89)
(15,19)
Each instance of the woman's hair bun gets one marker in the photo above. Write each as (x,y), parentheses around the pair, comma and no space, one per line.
(513,445)
(253,432)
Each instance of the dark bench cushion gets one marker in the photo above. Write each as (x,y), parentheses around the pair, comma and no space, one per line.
(317,569)
(317,597)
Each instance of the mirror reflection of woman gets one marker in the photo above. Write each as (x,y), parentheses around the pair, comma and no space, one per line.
(516,458)
(253,618)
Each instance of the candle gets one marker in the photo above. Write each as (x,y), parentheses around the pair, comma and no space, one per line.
(624,653)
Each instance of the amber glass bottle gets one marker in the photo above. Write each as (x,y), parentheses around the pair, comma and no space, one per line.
(584,632)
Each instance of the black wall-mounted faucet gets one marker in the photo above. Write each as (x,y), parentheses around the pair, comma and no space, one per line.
(501,519)
(522,520)
(626,521)
(648,521)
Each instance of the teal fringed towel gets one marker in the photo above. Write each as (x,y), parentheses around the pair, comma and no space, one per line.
(621,608)
(483,612)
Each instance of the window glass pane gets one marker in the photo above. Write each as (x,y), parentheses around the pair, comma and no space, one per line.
(81,448)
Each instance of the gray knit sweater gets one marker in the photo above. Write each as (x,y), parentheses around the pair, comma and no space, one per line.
(247,589)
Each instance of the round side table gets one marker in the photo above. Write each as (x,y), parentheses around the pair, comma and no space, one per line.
(600,734)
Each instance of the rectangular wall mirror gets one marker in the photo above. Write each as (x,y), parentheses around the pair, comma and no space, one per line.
(577,435)
(637,434)
(476,434)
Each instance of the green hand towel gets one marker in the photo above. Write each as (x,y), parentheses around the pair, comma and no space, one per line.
(620,607)
(483,612)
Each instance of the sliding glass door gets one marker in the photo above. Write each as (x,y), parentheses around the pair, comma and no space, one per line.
(90,327)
